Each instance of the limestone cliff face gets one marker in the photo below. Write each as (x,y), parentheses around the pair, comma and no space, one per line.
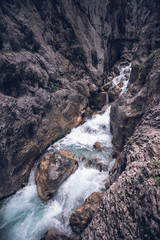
(131,206)
(50,59)
(53,55)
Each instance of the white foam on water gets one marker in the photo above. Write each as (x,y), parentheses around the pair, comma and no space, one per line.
(123,77)
(84,136)
(24,216)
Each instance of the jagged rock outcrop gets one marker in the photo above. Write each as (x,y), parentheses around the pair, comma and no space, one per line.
(50,55)
(53,55)
(46,80)
(129,109)
(131,206)
(80,219)
(52,171)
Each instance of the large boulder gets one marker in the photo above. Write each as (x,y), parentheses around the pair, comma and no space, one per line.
(52,171)
(84,213)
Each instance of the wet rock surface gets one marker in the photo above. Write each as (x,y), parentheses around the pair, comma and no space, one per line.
(127,112)
(55,235)
(44,84)
(98,146)
(96,163)
(50,71)
(100,100)
(52,171)
(84,213)
(113,93)
(130,208)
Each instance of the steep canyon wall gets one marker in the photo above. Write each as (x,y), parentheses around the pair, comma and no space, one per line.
(53,57)
(131,206)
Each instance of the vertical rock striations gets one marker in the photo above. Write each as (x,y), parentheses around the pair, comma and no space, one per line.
(53,55)
(131,206)
(46,80)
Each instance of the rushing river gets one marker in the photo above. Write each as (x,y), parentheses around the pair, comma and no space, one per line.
(24,216)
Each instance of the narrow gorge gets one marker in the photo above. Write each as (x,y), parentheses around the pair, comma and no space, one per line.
(66,105)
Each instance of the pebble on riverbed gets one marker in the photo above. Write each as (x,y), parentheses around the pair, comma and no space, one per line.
(98,146)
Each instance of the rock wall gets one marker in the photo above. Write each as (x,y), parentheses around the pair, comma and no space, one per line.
(48,72)
(53,55)
(130,208)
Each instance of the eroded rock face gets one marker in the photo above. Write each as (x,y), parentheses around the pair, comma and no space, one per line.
(84,213)
(100,100)
(49,68)
(127,112)
(131,206)
(113,93)
(52,171)
(55,235)
(44,84)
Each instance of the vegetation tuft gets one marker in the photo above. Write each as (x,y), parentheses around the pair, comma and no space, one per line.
(55,89)
(137,108)
(157,181)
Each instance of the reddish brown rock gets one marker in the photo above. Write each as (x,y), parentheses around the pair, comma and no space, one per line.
(98,145)
(82,158)
(107,185)
(83,215)
(120,85)
(88,113)
(52,171)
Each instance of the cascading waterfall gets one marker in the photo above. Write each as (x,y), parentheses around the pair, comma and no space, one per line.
(24,216)
(123,77)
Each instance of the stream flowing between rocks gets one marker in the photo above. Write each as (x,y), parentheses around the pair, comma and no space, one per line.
(24,216)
